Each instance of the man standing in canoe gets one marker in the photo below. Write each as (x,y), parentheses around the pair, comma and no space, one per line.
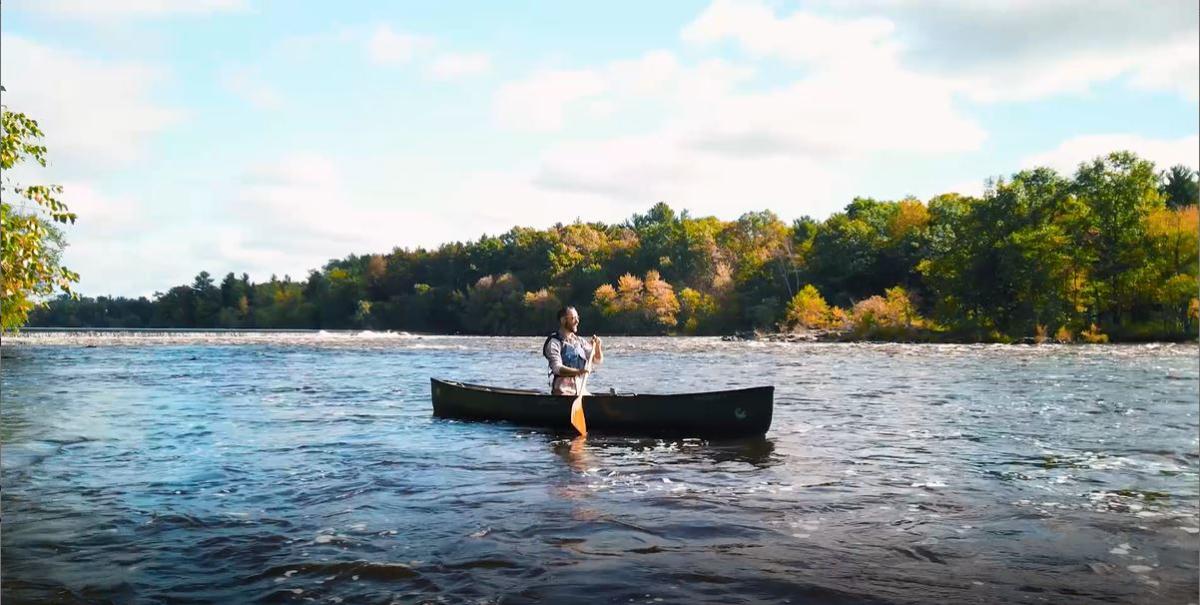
(568,352)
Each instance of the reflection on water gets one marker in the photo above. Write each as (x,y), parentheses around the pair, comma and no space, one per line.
(296,467)
(579,452)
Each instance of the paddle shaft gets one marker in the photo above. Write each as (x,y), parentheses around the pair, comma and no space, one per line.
(582,386)
(577,417)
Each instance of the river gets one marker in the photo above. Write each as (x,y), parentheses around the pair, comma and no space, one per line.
(306,467)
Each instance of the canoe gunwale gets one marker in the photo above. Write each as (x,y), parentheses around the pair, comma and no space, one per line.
(480,388)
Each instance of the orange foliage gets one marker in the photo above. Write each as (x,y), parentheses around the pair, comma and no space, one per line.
(629,292)
(890,316)
(1093,335)
(605,298)
(636,303)
(1063,335)
(659,300)
(838,318)
(808,309)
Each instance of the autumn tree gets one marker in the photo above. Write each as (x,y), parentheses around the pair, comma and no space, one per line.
(808,309)
(30,243)
(636,305)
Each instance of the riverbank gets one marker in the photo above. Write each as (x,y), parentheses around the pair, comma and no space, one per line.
(235,335)
(919,336)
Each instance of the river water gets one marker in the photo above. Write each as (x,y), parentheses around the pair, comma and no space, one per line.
(257,467)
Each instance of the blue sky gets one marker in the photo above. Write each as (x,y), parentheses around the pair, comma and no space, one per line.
(269,137)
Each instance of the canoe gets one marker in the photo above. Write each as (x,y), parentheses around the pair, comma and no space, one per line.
(716,414)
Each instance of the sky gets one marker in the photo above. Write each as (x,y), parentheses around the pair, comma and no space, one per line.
(268,137)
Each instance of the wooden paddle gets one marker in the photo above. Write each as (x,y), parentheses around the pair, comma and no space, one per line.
(577,419)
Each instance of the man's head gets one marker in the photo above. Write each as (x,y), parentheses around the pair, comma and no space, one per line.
(568,319)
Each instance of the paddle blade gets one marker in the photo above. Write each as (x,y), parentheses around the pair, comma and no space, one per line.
(577,419)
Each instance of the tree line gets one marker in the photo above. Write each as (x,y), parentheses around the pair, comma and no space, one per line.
(1109,252)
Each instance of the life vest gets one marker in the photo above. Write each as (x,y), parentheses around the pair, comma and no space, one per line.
(562,352)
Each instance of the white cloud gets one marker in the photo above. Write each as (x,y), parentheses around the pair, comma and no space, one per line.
(1163,152)
(101,214)
(250,87)
(301,170)
(1170,65)
(453,66)
(627,174)
(1174,65)
(726,145)
(110,236)
(625,169)
(94,112)
(834,113)
(958,36)
(846,102)
(294,214)
(799,37)
(130,267)
(1012,51)
(302,196)
(111,10)
(974,188)
(1030,49)
(539,102)
(384,46)
(550,100)
(492,202)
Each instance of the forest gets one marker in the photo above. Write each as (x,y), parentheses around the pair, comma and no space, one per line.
(1109,253)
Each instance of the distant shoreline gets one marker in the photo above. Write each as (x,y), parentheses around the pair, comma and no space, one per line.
(925,338)
(813,336)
